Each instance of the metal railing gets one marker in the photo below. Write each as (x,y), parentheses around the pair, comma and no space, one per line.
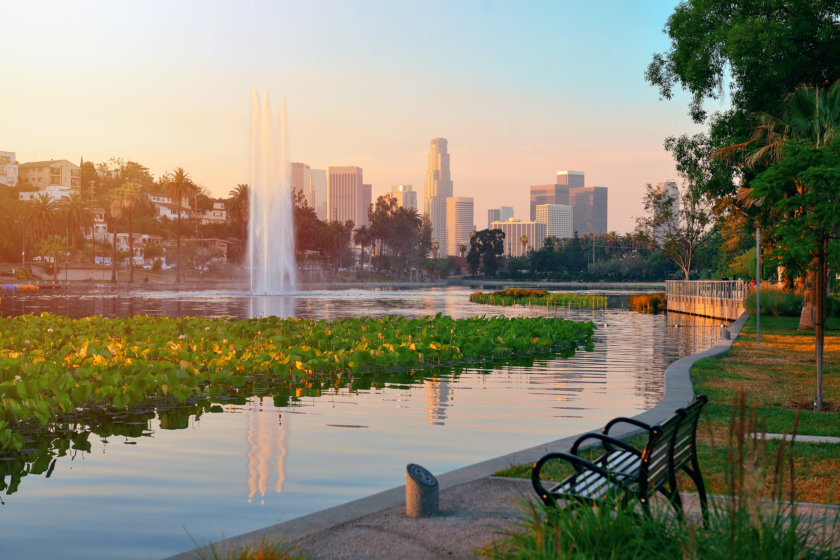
(729,290)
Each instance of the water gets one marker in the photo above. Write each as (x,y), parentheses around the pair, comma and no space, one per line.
(266,460)
(271,242)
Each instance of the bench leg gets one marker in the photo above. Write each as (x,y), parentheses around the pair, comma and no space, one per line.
(694,473)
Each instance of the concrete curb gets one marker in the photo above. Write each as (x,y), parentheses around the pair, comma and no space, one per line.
(679,391)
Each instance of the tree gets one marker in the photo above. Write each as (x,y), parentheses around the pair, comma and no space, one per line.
(803,188)
(114,209)
(489,245)
(811,115)
(129,194)
(56,247)
(179,185)
(237,205)
(523,240)
(77,215)
(42,216)
(679,233)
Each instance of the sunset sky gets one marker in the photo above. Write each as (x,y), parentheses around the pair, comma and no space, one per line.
(520,89)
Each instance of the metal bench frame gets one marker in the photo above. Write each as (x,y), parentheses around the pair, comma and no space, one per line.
(624,472)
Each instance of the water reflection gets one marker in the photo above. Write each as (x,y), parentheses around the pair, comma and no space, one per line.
(249,460)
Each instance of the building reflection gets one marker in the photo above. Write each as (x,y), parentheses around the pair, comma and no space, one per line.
(437,400)
(267,449)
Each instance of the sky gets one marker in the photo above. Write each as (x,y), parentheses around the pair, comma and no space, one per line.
(519,89)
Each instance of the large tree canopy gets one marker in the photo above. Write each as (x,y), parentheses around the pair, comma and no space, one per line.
(760,50)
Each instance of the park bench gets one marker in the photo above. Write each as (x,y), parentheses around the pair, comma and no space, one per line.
(624,472)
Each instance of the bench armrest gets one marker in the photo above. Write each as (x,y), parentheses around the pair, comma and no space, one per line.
(609,443)
(578,463)
(624,420)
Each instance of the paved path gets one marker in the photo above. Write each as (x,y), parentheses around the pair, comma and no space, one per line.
(475,505)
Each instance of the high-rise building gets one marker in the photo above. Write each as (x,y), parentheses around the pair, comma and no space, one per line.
(302,181)
(344,193)
(8,169)
(558,219)
(548,194)
(459,222)
(571,178)
(318,192)
(590,209)
(501,214)
(437,188)
(365,200)
(405,196)
(669,190)
(532,233)
(493,215)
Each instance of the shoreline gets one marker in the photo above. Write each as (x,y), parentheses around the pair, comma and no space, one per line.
(679,391)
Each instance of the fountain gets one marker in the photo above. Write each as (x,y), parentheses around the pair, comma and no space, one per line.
(271,239)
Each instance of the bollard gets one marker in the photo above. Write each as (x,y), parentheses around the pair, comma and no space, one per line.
(421,492)
(724,332)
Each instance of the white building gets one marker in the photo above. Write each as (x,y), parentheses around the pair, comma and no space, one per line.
(436,189)
(164,207)
(216,215)
(514,230)
(8,169)
(459,222)
(558,219)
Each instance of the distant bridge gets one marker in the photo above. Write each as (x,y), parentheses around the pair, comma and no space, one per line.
(719,299)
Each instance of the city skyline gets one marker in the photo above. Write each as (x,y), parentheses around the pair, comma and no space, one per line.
(167,85)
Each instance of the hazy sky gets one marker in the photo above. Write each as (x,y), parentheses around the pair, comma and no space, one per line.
(520,89)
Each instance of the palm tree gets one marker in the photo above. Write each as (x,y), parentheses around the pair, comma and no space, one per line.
(178,185)
(435,248)
(810,114)
(238,204)
(524,242)
(115,206)
(77,215)
(42,215)
(129,195)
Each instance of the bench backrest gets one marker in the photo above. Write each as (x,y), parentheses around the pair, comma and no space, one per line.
(671,444)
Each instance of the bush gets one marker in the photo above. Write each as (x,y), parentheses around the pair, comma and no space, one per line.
(776,302)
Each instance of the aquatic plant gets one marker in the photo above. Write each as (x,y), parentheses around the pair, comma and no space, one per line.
(648,303)
(52,366)
(520,296)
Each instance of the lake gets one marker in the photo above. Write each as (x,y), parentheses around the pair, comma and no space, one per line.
(151,485)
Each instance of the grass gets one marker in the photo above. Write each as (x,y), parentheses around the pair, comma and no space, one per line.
(751,391)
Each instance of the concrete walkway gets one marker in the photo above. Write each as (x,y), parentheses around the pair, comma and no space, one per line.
(475,505)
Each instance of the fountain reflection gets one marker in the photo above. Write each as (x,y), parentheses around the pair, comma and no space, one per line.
(267,448)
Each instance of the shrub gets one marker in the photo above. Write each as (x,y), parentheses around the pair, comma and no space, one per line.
(776,302)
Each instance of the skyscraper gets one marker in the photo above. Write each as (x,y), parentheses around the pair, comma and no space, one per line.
(548,194)
(459,222)
(532,233)
(344,193)
(405,195)
(570,179)
(318,192)
(558,219)
(365,199)
(493,215)
(590,209)
(437,188)
(301,181)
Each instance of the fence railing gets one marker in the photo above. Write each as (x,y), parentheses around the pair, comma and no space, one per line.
(723,299)
(730,290)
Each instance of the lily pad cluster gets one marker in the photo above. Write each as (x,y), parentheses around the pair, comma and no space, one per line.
(53,366)
(520,296)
